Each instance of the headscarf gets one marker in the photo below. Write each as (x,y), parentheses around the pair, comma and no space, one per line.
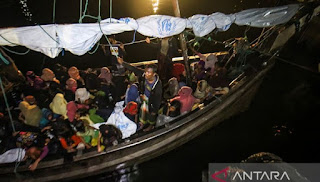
(177,70)
(82,94)
(71,84)
(133,78)
(173,88)
(200,74)
(59,105)
(186,99)
(45,117)
(30,99)
(47,74)
(71,110)
(105,75)
(203,89)
(31,113)
(131,108)
(74,73)
(210,62)
(30,77)
(34,80)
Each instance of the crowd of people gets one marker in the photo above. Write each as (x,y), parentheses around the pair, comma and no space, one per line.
(66,110)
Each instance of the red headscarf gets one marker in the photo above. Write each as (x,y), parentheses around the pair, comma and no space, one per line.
(131,108)
(177,70)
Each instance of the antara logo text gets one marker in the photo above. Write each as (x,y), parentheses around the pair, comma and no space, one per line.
(252,175)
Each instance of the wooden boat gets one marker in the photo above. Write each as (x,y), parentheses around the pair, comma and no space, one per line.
(140,148)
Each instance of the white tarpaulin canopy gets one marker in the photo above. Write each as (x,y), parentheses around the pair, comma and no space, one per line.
(80,38)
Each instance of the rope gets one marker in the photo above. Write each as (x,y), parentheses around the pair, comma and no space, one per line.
(107,39)
(262,34)
(8,108)
(95,50)
(7,40)
(85,11)
(14,52)
(130,43)
(4,59)
(48,34)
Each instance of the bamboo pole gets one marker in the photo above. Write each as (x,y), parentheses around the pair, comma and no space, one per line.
(183,43)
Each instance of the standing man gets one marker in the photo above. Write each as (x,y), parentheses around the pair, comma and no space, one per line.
(151,94)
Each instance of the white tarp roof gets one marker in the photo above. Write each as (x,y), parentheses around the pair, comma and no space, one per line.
(80,38)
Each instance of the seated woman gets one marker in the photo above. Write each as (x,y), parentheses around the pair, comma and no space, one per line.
(71,87)
(92,82)
(67,137)
(131,111)
(171,89)
(30,114)
(172,109)
(179,72)
(186,99)
(49,76)
(34,81)
(59,105)
(199,71)
(203,91)
(218,80)
(75,74)
(89,134)
(169,112)
(109,135)
(132,93)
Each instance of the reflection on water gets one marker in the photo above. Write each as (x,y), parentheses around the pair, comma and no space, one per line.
(120,175)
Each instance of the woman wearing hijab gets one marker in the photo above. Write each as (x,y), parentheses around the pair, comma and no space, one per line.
(59,105)
(172,88)
(31,113)
(49,76)
(71,87)
(186,99)
(105,76)
(74,73)
(34,81)
(203,90)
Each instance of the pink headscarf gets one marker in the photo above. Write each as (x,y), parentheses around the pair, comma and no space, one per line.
(74,73)
(186,99)
(71,110)
(105,75)
(71,84)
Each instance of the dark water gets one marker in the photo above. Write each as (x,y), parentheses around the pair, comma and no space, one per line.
(283,119)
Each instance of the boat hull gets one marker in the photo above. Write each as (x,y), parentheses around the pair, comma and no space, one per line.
(149,146)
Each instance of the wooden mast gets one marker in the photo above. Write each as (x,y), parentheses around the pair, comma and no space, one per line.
(183,44)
